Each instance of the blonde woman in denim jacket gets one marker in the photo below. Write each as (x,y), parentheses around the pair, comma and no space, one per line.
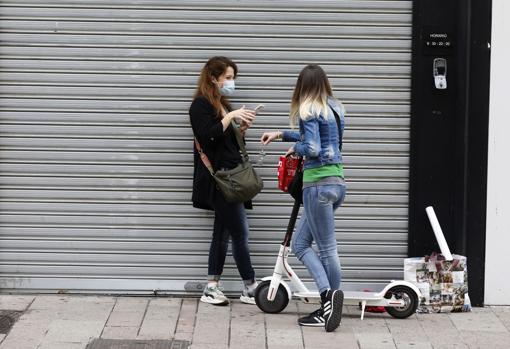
(318,141)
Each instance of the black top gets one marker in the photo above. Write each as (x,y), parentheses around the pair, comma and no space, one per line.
(220,147)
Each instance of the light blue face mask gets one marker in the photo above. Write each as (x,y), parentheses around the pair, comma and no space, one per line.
(228,88)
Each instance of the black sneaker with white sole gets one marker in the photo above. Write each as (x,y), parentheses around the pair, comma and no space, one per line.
(314,319)
(332,309)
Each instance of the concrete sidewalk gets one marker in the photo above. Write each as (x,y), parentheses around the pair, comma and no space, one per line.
(72,322)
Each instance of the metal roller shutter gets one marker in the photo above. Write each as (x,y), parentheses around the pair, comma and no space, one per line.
(95,158)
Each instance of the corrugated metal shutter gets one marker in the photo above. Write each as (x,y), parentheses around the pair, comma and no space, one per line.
(95,156)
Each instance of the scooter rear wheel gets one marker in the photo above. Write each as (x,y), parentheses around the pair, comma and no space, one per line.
(280,302)
(409,297)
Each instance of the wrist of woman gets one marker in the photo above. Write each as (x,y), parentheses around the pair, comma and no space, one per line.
(229,117)
(226,120)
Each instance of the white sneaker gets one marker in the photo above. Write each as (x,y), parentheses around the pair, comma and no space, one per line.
(247,296)
(214,295)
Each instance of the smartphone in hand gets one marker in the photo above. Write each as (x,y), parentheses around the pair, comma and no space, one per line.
(258,108)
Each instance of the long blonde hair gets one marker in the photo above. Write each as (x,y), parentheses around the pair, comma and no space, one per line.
(310,94)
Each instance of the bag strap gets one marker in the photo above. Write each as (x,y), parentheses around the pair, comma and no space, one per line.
(204,157)
(240,140)
(206,160)
(339,125)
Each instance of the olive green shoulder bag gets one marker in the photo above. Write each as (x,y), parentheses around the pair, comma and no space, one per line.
(239,184)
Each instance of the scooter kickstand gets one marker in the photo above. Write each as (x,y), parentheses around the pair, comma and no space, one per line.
(363,305)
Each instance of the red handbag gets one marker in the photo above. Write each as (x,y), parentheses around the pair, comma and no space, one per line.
(287,167)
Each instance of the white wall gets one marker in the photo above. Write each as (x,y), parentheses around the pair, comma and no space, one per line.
(497,272)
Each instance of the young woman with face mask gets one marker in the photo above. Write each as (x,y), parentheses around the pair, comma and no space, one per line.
(318,141)
(211,115)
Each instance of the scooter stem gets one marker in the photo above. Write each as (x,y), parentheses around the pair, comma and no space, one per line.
(281,269)
(292,223)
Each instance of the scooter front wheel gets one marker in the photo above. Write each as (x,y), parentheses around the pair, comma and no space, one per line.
(280,302)
(409,297)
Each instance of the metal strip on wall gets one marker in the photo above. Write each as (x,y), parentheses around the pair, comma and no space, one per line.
(95,143)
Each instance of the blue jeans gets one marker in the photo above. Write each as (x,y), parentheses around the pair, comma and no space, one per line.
(317,224)
(230,222)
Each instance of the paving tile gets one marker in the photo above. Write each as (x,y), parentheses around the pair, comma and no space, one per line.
(481,321)
(212,325)
(504,317)
(371,325)
(446,339)
(23,343)
(39,316)
(186,322)
(62,345)
(375,340)
(69,322)
(484,339)
(451,346)
(405,330)
(128,312)
(247,328)
(413,344)
(73,310)
(163,308)
(434,324)
(73,331)
(27,332)
(119,332)
(318,338)
(50,302)
(499,308)
(83,301)
(88,308)
(13,302)
(131,304)
(125,318)
(282,330)
(208,346)
(92,314)
(160,319)
(159,329)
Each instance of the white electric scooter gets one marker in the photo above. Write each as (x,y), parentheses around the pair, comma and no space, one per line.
(399,298)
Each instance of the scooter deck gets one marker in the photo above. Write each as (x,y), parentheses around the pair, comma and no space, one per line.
(360,295)
(348,295)
(350,298)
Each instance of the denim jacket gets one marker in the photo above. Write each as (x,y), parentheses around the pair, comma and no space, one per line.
(318,139)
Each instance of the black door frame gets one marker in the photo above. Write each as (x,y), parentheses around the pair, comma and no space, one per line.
(449,132)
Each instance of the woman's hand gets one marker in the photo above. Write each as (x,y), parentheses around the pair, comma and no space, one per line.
(242,115)
(291,151)
(268,137)
(244,127)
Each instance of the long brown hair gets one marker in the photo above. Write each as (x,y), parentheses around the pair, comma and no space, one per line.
(214,68)
(310,94)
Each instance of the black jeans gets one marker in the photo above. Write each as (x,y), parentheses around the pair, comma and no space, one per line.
(230,221)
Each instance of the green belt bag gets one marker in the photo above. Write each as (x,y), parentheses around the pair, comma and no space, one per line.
(240,184)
